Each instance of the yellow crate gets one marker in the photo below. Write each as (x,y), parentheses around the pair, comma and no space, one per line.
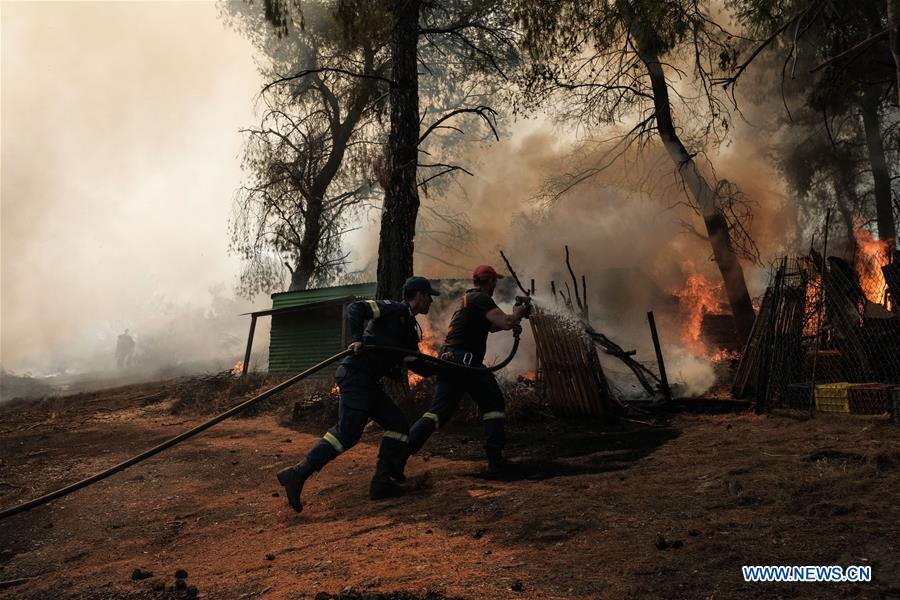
(833,397)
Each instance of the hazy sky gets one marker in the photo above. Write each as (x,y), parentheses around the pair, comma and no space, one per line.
(120,157)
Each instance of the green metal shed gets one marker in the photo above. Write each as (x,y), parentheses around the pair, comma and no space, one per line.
(308,326)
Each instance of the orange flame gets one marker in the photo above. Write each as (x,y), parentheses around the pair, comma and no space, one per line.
(698,297)
(813,297)
(723,354)
(238,367)
(426,346)
(335,390)
(871,256)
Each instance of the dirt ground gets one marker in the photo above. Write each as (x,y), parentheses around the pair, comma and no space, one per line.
(591,511)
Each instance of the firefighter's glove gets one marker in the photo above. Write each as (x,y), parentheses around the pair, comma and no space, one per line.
(521,311)
(527,303)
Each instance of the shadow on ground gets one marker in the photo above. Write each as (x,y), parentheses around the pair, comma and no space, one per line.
(539,451)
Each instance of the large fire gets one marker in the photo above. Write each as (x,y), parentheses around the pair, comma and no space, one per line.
(698,297)
(427,345)
(872,255)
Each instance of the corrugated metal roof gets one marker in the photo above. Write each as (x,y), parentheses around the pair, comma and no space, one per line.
(302,297)
(309,306)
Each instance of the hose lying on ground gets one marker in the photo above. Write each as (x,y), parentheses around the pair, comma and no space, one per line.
(235,410)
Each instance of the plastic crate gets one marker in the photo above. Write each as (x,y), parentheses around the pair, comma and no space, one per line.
(870,399)
(798,396)
(833,397)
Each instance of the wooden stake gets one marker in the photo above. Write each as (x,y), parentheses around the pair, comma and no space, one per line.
(664,381)
(249,346)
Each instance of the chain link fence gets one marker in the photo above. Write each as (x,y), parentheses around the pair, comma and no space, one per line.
(827,337)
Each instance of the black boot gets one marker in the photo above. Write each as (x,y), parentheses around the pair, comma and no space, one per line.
(293,479)
(394,454)
(397,467)
(382,485)
(497,465)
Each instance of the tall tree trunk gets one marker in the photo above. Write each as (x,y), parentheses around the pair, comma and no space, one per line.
(843,191)
(716,225)
(309,245)
(299,279)
(893,18)
(884,212)
(401,198)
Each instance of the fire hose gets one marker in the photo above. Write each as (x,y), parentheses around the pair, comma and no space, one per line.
(26,506)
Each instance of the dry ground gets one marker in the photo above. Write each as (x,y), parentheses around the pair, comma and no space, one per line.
(582,516)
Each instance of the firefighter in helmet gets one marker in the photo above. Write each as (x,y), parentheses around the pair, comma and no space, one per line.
(371,322)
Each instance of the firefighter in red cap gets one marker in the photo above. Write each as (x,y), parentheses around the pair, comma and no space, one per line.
(477,316)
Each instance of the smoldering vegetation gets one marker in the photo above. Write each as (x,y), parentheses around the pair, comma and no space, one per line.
(169,341)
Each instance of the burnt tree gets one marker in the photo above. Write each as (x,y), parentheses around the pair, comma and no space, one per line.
(713,217)
(881,176)
(462,49)
(604,60)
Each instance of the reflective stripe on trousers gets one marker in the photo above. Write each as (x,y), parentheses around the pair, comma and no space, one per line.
(396,435)
(433,417)
(332,439)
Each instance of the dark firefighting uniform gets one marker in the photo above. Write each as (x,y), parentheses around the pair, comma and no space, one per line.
(358,378)
(465,344)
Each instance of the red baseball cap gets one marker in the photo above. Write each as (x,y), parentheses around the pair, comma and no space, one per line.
(484,272)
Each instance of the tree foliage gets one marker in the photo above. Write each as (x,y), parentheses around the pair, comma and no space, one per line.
(588,66)
(837,83)
(322,60)
(309,161)
(609,64)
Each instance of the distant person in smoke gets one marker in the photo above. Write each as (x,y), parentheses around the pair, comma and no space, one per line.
(466,343)
(381,323)
(124,350)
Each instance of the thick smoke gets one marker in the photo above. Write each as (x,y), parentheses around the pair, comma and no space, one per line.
(628,230)
(120,159)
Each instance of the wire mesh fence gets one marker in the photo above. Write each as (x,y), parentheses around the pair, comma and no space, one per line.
(827,337)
